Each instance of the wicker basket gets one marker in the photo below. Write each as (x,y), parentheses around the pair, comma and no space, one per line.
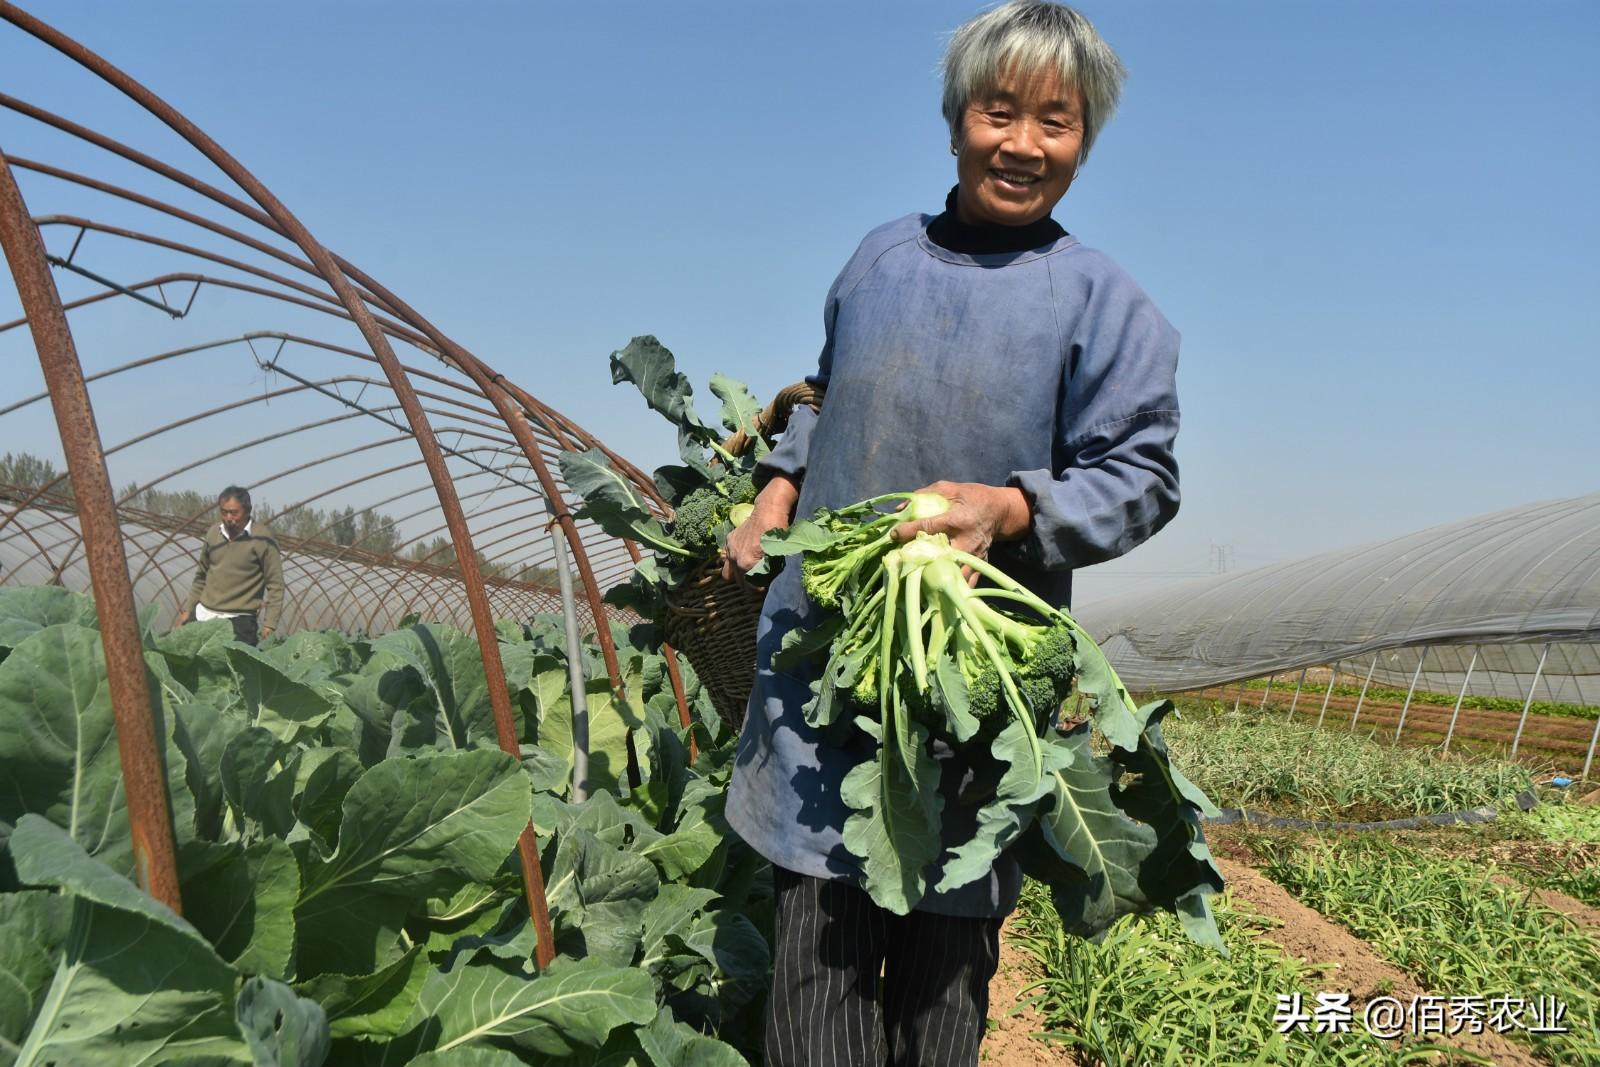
(712,621)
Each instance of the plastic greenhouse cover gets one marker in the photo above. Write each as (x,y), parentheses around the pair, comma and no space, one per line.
(1504,585)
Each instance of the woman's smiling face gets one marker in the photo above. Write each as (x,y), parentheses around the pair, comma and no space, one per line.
(1018,151)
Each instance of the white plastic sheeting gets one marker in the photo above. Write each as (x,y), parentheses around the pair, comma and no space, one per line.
(322,590)
(1508,585)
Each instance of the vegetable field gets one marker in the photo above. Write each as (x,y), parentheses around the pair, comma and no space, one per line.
(1480,933)
(1561,733)
(346,828)
(345,824)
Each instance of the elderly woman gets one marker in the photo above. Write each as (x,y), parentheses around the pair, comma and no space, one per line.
(982,353)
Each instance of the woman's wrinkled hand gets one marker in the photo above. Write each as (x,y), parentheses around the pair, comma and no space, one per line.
(979,516)
(773,510)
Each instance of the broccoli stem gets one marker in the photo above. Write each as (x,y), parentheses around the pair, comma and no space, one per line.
(1019,707)
(1003,580)
(938,633)
(886,716)
(1010,589)
(943,578)
(872,503)
(859,624)
(911,622)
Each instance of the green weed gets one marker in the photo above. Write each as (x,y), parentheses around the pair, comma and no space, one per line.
(1459,932)
(1148,995)
(1268,764)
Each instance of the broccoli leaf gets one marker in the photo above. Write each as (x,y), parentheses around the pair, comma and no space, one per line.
(675,481)
(895,825)
(739,410)
(280,1027)
(1003,818)
(644,592)
(145,987)
(612,501)
(1086,828)
(952,696)
(25,610)
(1139,842)
(33,926)
(1180,871)
(1113,708)
(803,536)
(572,1005)
(802,645)
(651,368)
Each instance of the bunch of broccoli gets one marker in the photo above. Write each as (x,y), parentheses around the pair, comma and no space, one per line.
(912,637)
(703,518)
(911,653)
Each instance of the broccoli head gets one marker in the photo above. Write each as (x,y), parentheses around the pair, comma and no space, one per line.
(1042,673)
(700,513)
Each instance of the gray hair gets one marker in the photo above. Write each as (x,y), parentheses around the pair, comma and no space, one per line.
(237,493)
(1032,35)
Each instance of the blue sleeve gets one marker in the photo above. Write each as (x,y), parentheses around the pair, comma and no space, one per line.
(1116,477)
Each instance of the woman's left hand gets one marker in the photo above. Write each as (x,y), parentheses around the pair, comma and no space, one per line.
(979,516)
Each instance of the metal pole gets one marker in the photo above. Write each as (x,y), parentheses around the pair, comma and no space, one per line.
(580,692)
(138,750)
(1401,725)
(1588,761)
(1298,683)
(1526,704)
(291,228)
(1267,693)
(1459,698)
(1237,697)
(1332,678)
(1354,715)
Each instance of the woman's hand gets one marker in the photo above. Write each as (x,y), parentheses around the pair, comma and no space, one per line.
(774,510)
(979,516)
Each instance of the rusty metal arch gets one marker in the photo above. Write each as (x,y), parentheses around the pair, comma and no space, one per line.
(520,430)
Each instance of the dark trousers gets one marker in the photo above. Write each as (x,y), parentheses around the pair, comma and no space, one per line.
(854,984)
(244,629)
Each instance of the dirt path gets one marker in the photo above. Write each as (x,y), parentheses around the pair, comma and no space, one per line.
(1010,1042)
(1545,736)
(1353,966)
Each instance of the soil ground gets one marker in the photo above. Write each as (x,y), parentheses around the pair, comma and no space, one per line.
(1351,964)
(1010,1041)
(1583,915)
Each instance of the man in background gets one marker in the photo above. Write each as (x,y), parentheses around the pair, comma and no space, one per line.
(239,575)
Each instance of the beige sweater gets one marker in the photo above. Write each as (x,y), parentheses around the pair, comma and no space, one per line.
(245,574)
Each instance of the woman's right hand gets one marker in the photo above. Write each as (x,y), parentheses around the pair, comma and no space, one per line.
(773,510)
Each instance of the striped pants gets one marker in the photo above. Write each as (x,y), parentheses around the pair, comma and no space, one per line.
(855,985)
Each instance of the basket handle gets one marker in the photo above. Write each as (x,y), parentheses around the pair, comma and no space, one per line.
(774,418)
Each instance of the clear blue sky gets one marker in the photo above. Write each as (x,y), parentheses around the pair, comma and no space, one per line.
(1373,222)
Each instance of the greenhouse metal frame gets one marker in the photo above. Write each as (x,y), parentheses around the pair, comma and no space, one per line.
(492,492)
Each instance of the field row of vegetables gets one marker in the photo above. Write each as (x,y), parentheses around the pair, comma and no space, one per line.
(1453,913)
(1551,732)
(344,821)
